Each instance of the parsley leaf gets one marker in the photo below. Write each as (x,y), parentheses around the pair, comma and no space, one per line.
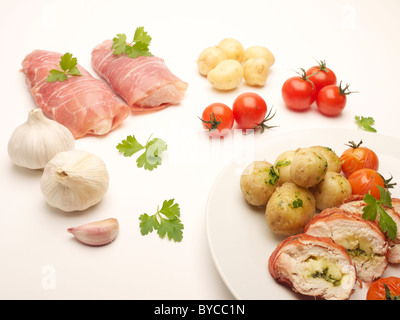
(129,146)
(119,43)
(138,47)
(374,206)
(68,67)
(298,203)
(166,221)
(150,158)
(365,123)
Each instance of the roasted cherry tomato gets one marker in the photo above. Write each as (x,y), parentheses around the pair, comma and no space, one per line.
(321,76)
(377,290)
(218,119)
(299,92)
(332,99)
(249,110)
(357,157)
(365,181)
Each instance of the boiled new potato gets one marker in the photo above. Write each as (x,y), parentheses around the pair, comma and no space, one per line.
(289,209)
(257,52)
(334,162)
(282,163)
(256,71)
(232,48)
(227,75)
(209,58)
(258,182)
(331,191)
(308,168)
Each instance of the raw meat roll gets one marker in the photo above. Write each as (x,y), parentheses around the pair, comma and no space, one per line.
(145,83)
(313,266)
(363,240)
(83,104)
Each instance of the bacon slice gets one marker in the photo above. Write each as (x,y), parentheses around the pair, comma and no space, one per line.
(363,240)
(355,204)
(145,83)
(313,266)
(83,104)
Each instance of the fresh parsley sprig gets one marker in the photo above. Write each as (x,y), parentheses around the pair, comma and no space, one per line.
(374,206)
(365,123)
(138,47)
(68,67)
(166,221)
(150,158)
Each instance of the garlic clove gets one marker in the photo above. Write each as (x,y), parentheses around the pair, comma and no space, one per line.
(96,233)
(34,143)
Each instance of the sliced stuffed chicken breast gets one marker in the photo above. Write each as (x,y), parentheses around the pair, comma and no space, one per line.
(313,266)
(362,239)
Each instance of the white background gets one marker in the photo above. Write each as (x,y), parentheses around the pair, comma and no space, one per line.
(358,39)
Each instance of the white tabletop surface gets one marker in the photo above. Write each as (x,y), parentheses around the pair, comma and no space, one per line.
(40,260)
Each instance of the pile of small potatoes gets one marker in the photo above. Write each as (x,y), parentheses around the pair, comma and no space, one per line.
(297,184)
(228,63)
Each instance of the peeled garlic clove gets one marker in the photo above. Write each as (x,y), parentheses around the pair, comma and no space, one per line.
(34,143)
(96,233)
(74,180)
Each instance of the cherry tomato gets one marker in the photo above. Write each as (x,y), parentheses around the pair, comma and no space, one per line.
(321,76)
(218,119)
(366,180)
(299,92)
(332,99)
(357,157)
(249,110)
(377,289)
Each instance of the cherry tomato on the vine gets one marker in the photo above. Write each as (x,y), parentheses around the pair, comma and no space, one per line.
(377,290)
(332,99)
(218,119)
(357,157)
(299,92)
(365,181)
(321,75)
(250,110)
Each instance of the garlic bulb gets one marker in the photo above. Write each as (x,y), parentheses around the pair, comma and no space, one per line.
(34,143)
(74,180)
(96,233)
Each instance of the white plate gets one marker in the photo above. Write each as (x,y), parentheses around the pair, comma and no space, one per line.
(238,236)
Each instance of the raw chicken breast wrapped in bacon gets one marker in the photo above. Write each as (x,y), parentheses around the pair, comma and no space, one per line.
(355,204)
(363,240)
(83,104)
(145,82)
(313,266)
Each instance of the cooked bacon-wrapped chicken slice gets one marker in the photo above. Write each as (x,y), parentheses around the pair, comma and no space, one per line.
(363,240)
(145,83)
(83,104)
(313,266)
(356,204)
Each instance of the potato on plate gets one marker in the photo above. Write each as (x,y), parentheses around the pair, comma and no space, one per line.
(289,209)
(334,162)
(282,163)
(331,191)
(258,181)
(308,168)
